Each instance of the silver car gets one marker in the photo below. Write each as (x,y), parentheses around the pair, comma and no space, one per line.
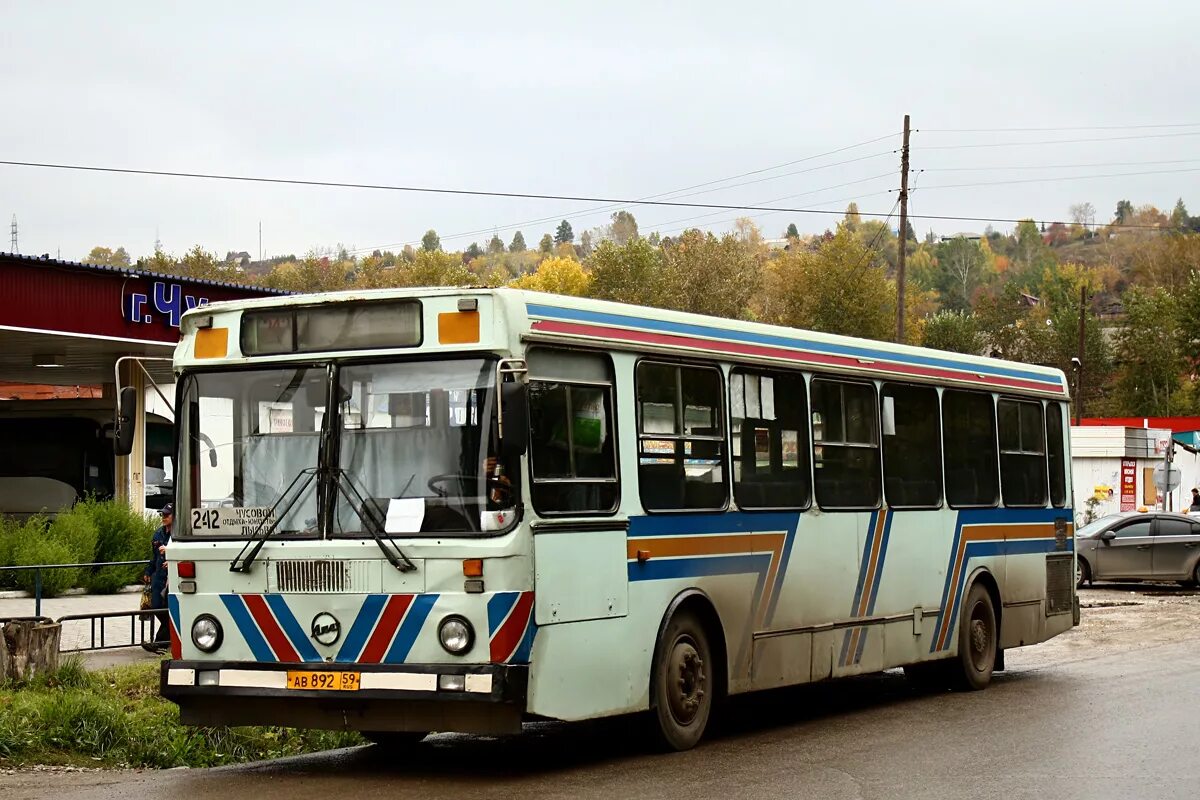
(1139,546)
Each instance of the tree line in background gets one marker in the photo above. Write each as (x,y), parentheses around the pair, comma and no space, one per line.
(1014,296)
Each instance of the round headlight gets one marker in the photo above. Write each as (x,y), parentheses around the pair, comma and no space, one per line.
(456,635)
(206,633)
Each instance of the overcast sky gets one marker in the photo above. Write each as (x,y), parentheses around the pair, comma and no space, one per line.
(617,99)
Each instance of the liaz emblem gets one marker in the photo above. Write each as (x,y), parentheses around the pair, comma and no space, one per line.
(326,629)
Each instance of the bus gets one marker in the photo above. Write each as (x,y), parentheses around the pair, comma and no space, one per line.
(458,509)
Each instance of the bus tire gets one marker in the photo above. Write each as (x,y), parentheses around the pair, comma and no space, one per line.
(977,641)
(394,739)
(682,685)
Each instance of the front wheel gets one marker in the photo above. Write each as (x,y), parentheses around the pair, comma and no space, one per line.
(977,641)
(682,687)
(1083,573)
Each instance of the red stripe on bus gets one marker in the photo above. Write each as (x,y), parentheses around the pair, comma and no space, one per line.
(385,629)
(284,651)
(508,638)
(674,340)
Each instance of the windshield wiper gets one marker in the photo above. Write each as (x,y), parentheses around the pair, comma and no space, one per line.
(374,525)
(243,560)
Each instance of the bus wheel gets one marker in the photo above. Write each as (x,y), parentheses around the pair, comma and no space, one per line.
(394,739)
(683,683)
(976,641)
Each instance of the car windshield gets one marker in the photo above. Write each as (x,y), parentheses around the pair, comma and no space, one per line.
(415,451)
(1098,525)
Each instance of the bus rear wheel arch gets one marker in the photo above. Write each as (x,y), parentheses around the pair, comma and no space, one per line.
(687,677)
(978,638)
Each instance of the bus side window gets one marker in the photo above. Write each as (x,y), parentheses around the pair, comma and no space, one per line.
(572,452)
(1022,452)
(845,444)
(768,422)
(969,449)
(1057,454)
(912,475)
(681,437)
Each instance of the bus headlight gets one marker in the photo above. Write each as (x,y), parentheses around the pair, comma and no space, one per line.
(206,633)
(456,635)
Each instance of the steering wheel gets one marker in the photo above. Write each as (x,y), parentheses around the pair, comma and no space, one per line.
(433,482)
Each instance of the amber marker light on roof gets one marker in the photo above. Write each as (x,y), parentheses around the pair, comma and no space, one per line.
(212,342)
(458,327)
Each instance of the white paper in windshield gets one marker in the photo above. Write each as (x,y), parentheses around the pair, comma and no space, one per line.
(405,515)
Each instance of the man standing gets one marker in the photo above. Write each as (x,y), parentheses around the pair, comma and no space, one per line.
(155,574)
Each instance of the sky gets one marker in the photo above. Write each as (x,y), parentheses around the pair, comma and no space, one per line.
(619,100)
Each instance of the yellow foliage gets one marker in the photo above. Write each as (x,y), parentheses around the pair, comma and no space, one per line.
(557,275)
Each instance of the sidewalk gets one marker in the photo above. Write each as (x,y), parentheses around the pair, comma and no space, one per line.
(78,633)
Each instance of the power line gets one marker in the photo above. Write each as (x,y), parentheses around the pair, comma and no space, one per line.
(518,195)
(1062,178)
(1062,166)
(1074,128)
(1057,141)
(814,208)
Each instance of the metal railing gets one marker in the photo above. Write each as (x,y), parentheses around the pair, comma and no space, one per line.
(37,575)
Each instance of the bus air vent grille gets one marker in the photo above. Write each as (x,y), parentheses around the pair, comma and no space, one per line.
(321,576)
(1060,578)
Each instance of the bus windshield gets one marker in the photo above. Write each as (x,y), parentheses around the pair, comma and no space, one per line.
(411,449)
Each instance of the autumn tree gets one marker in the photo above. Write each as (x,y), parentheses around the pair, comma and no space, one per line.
(1148,351)
(585,244)
(546,245)
(629,273)
(563,233)
(961,270)
(707,275)
(518,243)
(835,288)
(108,257)
(495,245)
(472,252)
(433,268)
(1124,212)
(1179,215)
(430,242)
(623,228)
(791,232)
(956,331)
(557,276)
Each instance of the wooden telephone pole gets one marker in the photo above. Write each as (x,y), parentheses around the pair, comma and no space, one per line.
(903,236)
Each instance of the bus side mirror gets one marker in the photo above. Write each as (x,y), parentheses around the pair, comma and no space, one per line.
(514,418)
(126,411)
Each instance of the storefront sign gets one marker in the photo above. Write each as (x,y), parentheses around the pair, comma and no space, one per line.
(164,298)
(1128,484)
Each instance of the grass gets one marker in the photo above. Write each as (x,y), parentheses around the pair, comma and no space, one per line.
(115,718)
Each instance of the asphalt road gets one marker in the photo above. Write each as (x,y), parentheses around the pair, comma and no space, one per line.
(1108,710)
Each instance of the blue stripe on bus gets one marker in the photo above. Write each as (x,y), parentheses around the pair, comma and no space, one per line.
(364,623)
(248,628)
(291,628)
(700,566)
(414,620)
(173,610)
(525,649)
(720,522)
(497,609)
(581,315)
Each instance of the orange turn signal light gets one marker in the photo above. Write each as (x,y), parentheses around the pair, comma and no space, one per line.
(473,568)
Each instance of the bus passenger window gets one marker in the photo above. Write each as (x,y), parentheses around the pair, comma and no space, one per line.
(573,451)
(1056,451)
(969,449)
(845,444)
(681,437)
(912,468)
(1022,453)
(768,419)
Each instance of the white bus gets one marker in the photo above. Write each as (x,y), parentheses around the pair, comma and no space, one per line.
(457,509)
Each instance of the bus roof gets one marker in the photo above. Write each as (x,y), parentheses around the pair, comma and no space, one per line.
(539,317)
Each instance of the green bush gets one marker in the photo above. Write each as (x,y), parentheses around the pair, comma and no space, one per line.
(123,534)
(37,547)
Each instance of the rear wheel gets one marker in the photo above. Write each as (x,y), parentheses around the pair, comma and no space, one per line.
(977,641)
(682,686)
(1083,573)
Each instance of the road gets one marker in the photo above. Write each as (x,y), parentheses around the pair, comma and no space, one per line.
(1107,710)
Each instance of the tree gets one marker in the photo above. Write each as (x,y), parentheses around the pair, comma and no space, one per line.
(956,331)
(430,242)
(518,243)
(563,234)
(557,276)
(1148,351)
(433,268)
(707,275)
(1179,216)
(834,288)
(961,270)
(791,232)
(1124,212)
(629,273)
(853,218)
(624,227)
(546,245)
(1083,214)
(585,244)
(107,257)
(472,252)
(495,245)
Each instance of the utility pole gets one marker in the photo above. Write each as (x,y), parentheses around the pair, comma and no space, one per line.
(903,235)
(13,248)
(260,241)
(1079,355)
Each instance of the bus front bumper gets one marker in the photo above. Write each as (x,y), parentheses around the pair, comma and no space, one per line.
(483,698)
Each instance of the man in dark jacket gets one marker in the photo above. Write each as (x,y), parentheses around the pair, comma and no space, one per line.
(155,574)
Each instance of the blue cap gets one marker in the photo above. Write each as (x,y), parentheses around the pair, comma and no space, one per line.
(167,510)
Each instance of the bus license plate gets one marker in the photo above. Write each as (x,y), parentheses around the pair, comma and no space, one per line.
(332,681)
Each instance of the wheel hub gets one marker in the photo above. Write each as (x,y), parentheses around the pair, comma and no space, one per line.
(687,681)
